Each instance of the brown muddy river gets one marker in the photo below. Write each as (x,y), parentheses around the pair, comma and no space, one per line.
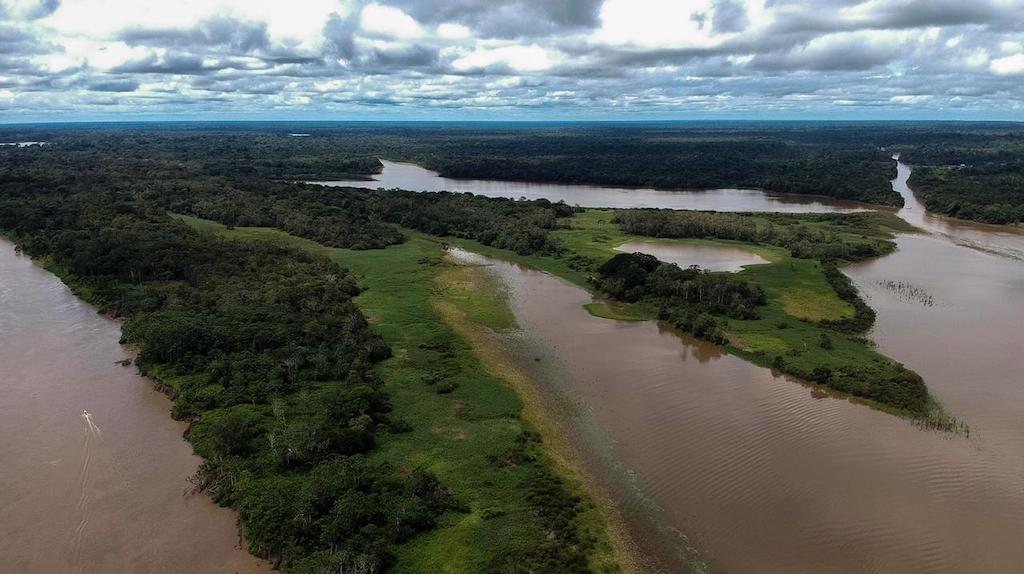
(710,257)
(415,178)
(94,470)
(761,474)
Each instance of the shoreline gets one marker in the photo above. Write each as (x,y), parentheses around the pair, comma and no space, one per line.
(536,411)
(160,422)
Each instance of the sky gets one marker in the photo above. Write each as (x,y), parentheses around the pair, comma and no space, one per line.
(66,60)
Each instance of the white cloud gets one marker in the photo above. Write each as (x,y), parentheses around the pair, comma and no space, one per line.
(1009,47)
(531,58)
(118,53)
(976,58)
(390,22)
(450,31)
(656,23)
(57,62)
(915,99)
(1010,65)
(292,19)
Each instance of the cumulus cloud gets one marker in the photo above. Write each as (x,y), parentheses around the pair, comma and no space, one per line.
(530,58)
(1010,65)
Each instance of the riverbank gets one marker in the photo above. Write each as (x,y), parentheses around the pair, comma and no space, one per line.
(470,414)
(537,411)
(94,469)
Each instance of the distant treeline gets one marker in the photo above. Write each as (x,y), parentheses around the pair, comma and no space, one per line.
(768,163)
(981,181)
(970,170)
(364,219)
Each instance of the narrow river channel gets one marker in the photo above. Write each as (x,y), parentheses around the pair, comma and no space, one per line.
(762,474)
(93,473)
(415,178)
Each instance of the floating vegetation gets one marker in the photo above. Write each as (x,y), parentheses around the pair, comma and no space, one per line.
(907,292)
(942,421)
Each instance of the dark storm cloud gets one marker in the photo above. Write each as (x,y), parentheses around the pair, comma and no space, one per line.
(11,36)
(120,85)
(892,15)
(848,54)
(730,16)
(215,32)
(169,64)
(414,56)
(240,84)
(27,9)
(512,19)
(339,33)
(922,13)
(16,41)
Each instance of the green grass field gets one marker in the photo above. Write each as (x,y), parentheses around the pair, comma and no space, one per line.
(411,293)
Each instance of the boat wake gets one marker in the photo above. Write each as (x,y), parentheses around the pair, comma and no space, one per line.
(92,432)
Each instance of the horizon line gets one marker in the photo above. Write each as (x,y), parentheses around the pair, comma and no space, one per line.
(16,123)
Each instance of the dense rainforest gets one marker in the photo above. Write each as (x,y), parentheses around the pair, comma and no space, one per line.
(981,179)
(686,298)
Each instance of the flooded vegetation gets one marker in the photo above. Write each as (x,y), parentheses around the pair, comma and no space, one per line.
(95,472)
(967,344)
(906,291)
(694,441)
(710,257)
(415,178)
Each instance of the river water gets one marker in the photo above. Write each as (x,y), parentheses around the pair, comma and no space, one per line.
(415,178)
(950,305)
(762,474)
(93,473)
